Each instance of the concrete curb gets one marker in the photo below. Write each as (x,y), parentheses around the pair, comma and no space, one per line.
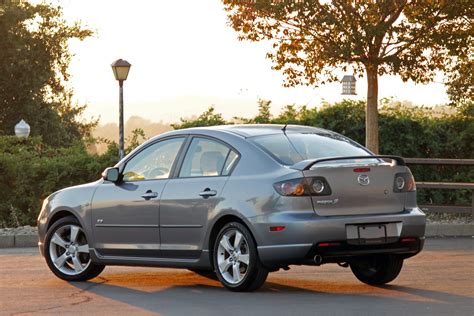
(19,241)
(432,230)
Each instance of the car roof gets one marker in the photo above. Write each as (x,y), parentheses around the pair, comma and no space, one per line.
(252,130)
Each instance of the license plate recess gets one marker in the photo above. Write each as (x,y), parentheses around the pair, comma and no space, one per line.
(369,234)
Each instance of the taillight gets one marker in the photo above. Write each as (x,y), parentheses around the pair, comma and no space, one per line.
(404,182)
(303,187)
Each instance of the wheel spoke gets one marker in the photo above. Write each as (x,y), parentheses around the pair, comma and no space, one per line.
(237,240)
(83,248)
(58,241)
(236,272)
(74,232)
(226,244)
(244,258)
(59,262)
(224,265)
(77,264)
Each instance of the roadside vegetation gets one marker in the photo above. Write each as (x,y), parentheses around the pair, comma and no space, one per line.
(30,169)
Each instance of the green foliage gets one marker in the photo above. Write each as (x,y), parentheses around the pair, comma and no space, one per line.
(208,118)
(34,60)
(264,115)
(31,170)
(138,136)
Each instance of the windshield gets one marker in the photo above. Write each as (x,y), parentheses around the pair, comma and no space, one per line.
(291,148)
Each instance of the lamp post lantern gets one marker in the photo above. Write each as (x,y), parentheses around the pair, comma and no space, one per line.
(121,68)
(349,85)
(22,129)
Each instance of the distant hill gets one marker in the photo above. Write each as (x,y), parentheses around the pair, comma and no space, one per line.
(110,131)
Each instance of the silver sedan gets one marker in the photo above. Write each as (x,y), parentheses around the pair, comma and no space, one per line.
(239,201)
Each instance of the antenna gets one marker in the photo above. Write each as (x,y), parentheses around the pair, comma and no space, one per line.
(284,128)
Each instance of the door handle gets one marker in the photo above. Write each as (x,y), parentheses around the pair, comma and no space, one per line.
(207,193)
(150,195)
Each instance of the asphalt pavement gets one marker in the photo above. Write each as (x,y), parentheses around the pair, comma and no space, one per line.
(439,281)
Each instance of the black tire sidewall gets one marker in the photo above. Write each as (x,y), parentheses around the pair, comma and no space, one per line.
(388,270)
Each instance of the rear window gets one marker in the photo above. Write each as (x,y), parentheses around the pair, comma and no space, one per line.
(291,148)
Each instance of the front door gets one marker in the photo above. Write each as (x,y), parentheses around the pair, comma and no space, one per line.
(125,215)
(188,200)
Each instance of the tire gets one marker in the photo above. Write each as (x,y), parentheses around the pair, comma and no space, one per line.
(377,270)
(67,251)
(236,263)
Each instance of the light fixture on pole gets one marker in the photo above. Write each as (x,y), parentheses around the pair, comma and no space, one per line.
(22,129)
(121,68)
(349,85)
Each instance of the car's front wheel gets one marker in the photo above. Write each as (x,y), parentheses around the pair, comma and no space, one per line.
(67,251)
(236,261)
(378,269)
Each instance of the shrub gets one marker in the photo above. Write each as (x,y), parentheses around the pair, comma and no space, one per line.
(30,171)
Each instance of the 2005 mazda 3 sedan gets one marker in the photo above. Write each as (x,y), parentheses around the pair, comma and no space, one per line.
(242,201)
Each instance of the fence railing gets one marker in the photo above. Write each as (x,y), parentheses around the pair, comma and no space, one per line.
(445,185)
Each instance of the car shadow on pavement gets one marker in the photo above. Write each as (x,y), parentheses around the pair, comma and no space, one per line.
(189,293)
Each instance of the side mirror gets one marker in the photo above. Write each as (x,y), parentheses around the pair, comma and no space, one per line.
(111,174)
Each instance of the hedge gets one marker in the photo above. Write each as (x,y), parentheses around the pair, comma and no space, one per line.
(30,170)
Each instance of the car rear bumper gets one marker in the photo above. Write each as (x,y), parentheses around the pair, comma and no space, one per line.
(304,234)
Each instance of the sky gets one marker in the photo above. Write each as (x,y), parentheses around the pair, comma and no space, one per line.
(186,58)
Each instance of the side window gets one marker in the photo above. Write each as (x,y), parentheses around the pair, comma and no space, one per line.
(205,158)
(230,162)
(154,162)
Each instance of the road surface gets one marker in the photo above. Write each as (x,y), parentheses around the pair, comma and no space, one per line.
(439,281)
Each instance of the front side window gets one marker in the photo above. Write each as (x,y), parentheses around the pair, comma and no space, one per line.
(154,162)
(207,158)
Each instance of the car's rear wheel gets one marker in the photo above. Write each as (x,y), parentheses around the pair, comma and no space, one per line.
(67,251)
(236,261)
(377,270)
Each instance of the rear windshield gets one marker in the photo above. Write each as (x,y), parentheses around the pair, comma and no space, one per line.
(291,148)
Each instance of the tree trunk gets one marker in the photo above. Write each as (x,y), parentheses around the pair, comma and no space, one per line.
(371,113)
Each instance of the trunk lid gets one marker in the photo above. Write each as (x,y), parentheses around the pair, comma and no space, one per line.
(357,189)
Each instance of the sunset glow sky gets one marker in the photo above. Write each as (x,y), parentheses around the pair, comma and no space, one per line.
(185,58)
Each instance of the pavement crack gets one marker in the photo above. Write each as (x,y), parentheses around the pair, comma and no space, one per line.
(81,294)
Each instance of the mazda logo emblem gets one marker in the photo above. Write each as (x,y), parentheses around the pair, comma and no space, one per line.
(363,179)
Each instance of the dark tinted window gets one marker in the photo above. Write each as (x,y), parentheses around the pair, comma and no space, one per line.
(295,147)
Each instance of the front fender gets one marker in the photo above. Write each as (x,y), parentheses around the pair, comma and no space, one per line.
(73,200)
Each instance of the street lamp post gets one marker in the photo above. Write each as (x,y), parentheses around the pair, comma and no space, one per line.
(121,68)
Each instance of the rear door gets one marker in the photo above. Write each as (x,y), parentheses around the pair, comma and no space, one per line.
(188,199)
(358,189)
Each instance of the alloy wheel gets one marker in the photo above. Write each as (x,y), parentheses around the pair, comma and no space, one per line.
(233,256)
(69,250)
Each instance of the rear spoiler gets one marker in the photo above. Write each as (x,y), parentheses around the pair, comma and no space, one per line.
(307,164)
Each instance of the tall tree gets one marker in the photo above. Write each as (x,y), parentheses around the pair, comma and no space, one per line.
(312,39)
(34,60)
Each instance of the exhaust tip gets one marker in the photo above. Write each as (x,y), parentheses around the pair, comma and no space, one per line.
(318,260)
